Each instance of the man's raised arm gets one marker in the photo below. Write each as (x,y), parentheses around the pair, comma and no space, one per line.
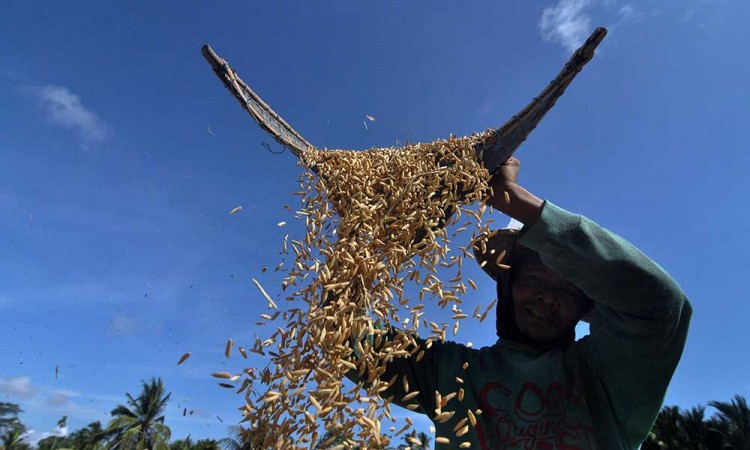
(640,318)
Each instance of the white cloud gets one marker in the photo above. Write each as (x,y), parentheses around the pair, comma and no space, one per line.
(46,399)
(60,397)
(131,325)
(124,324)
(65,108)
(18,387)
(566,23)
(628,12)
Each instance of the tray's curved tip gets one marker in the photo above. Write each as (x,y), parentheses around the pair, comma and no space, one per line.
(213,59)
(503,141)
(587,49)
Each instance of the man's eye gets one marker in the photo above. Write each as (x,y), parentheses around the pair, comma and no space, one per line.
(530,280)
(568,297)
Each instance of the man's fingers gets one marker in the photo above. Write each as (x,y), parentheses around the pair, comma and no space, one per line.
(513,161)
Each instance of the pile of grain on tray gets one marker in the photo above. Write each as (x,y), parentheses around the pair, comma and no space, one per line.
(375,222)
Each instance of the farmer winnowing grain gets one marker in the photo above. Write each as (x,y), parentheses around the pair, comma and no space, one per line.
(538,388)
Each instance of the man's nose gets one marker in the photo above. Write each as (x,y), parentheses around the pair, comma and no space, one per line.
(547,297)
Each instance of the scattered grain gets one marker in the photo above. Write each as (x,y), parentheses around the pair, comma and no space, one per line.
(183,358)
(375,220)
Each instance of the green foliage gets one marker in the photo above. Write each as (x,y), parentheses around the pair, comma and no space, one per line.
(9,418)
(181,444)
(206,444)
(330,438)
(238,439)
(424,438)
(12,430)
(201,444)
(733,422)
(92,437)
(56,443)
(140,424)
(13,439)
(727,429)
(59,442)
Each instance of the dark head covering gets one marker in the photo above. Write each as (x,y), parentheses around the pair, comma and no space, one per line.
(501,256)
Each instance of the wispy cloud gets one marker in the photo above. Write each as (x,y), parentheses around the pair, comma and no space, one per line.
(19,387)
(64,108)
(60,397)
(570,22)
(50,400)
(125,324)
(566,23)
(628,12)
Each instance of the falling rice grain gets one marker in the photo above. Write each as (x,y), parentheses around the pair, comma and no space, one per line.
(410,396)
(362,221)
(271,304)
(183,358)
(460,424)
(445,416)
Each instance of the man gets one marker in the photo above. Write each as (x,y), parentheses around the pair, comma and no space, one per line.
(538,388)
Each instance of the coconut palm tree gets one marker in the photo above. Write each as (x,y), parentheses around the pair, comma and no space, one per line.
(665,434)
(239,439)
(13,439)
(696,431)
(424,438)
(732,421)
(206,444)
(140,424)
(92,437)
(9,418)
(181,444)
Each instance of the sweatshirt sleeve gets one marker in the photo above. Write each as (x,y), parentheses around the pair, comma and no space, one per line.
(409,376)
(418,377)
(640,319)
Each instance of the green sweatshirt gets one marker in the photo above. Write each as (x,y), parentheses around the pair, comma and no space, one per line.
(603,391)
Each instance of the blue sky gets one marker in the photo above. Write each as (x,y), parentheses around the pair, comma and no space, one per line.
(118,250)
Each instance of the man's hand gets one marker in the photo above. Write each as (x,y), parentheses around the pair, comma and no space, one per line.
(510,198)
(507,173)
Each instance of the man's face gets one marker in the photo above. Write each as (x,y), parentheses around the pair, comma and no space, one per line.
(546,306)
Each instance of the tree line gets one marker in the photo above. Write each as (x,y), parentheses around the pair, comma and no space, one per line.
(136,425)
(728,428)
(139,425)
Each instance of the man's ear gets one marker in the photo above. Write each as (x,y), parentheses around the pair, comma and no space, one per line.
(587,317)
